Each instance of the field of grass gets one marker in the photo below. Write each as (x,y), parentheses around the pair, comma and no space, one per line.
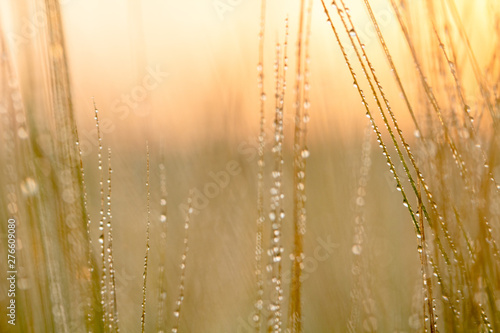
(236,166)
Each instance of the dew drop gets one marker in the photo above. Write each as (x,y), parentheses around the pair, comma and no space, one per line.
(22,133)
(29,187)
(356,249)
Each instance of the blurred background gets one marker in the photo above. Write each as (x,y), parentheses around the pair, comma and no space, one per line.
(182,75)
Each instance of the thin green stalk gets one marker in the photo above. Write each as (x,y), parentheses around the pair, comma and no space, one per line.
(148,236)
(259,276)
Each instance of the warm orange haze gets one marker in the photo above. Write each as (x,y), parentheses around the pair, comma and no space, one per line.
(207,53)
(250,166)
